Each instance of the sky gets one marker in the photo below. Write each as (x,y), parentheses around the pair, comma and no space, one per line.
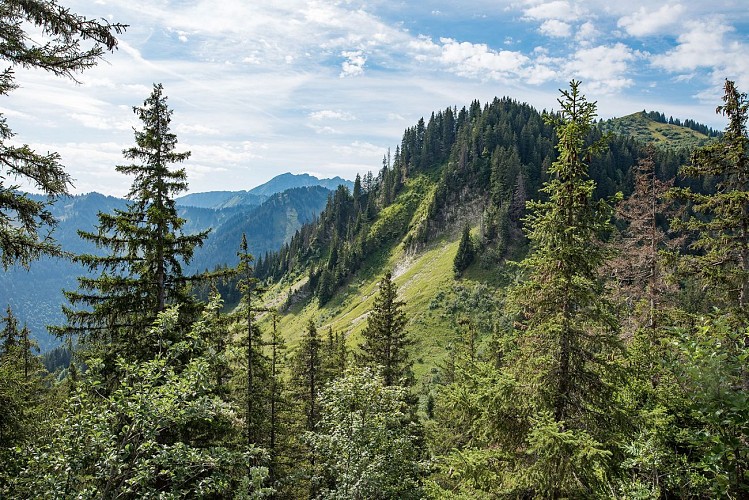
(259,88)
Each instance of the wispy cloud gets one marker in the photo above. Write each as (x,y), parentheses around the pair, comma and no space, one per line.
(305,85)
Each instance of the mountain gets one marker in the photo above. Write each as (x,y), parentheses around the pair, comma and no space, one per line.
(267,227)
(259,194)
(476,166)
(288,180)
(220,199)
(653,127)
(36,295)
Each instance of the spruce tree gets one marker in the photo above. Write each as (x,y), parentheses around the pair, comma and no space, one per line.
(568,328)
(57,51)
(257,378)
(466,253)
(307,375)
(23,388)
(142,273)
(279,404)
(305,384)
(385,340)
(638,266)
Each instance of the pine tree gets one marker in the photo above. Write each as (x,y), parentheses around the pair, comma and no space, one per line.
(385,339)
(59,52)
(721,257)
(142,274)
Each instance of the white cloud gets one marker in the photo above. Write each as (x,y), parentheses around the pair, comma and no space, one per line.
(701,45)
(705,45)
(196,129)
(647,22)
(603,68)
(558,9)
(479,61)
(361,148)
(324,130)
(100,122)
(555,28)
(586,32)
(354,63)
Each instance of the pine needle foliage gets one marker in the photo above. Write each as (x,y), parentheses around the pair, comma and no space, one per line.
(721,220)
(23,219)
(385,340)
(142,272)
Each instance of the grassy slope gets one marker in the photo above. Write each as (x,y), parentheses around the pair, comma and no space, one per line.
(642,128)
(433,298)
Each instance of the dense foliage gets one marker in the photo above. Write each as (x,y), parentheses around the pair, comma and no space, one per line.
(596,366)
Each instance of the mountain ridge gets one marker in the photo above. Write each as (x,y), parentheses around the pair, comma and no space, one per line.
(259,194)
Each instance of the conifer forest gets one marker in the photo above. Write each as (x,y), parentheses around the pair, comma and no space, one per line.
(514,304)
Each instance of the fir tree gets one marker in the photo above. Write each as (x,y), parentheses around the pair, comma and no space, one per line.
(142,274)
(385,340)
(59,52)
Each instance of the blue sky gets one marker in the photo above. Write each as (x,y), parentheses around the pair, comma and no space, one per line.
(325,87)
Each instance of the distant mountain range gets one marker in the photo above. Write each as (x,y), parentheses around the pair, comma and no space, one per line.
(269,219)
(257,195)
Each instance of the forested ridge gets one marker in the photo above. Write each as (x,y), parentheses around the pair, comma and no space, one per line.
(517,304)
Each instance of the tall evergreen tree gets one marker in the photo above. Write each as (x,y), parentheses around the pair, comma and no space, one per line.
(24,390)
(142,273)
(307,375)
(305,384)
(257,376)
(466,253)
(279,404)
(385,339)
(58,51)
(722,218)
(569,329)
